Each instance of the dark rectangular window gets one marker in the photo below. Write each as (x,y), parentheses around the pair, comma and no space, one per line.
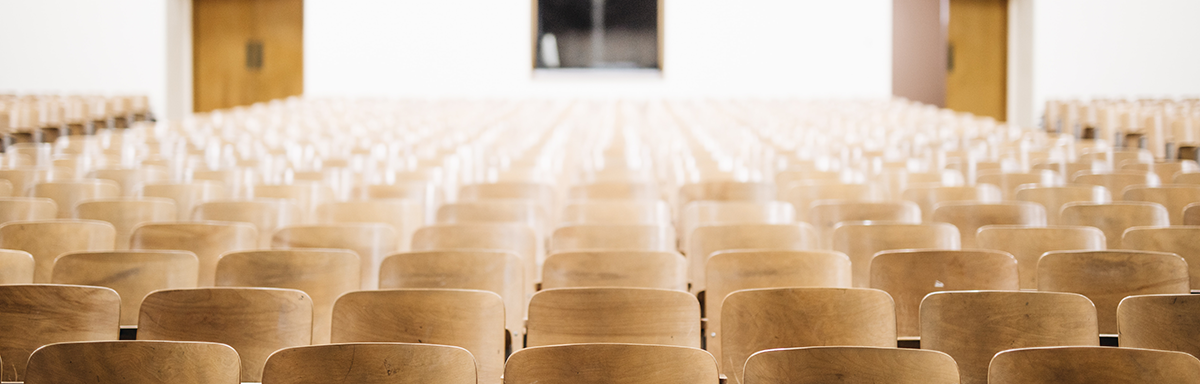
(597,34)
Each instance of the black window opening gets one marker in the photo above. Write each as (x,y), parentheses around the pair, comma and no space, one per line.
(603,34)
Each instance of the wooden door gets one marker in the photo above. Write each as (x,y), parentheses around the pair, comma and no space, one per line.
(976,73)
(246,51)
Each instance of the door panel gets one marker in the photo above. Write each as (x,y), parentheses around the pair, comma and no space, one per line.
(246,51)
(976,76)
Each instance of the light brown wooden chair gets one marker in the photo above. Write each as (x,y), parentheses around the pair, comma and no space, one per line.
(819,365)
(470,319)
(517,238)
(701,213)
(27,209)
(1180,240)
(585,237)
(1028,244)
(972,326)
(133,274)
(324,274)
(926,196)
(610,363)
(208,240)
(1173,197)
(1114,218)
(46,240)
(68,193)
(231,179)
(615,268)
(613,315)
(133,362)
(1182,178)
(735,270)
(1054,198)
(862,240)
(1117,181)
(38,314)
(909,275)
(1106,277)
(1164,322)
(969,217)
(306,195)
(494,211)
(371,363)
(131,180)
(267,215)
(826,215)
(541,194)
(254,321)
(1083,365)
(497,271)
(1166,170)
(803,195)
(627,212)
(705,241)
(186,195)
(16,267)
(726,191)
(24,178)
(1009,183)
(125,214)
(372,242)
(753,320)
(404,216)
(424,192)
(615,190)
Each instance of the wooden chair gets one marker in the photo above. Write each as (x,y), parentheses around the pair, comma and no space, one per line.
(1009,183)
(1173,197)
(371,242)
(1028,244)
(824,216)
(424,192)
(627,212)
(1164,322)
(1166,170)
(1180,240)
(130,180)
(24,178)
(735,270)
(702,213)
(969,217)
(37,314)
(134,362)
(133,274)
(517,238)
(1182,178)
(496,271)
(1106,277)
(324,274)
(1117,181)
(404,216)
(371,363)
(1082,365)
(1114,218)
(186,195)
(494,211)
(470,319)
(753,320)
(927,196)
(803,195)
(613,315)
(585,237)
(254,321)
(726,191)
(704,241)
(972,326)
(539,193)
(27,209)
(68,193)
(862,240)
(46,240)
(306,195)
(208,240)
(610,363)
(267,215)
(16,267)
(909,275)
(1054,198)
(819,365)
(125,214)
(610,268)
(614,190)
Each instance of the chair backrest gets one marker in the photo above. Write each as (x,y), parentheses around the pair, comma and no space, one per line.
(324,274)
(1114,218)
(27,209)
(629,212)
(705,241)
(470,319)
(1166,170)
(726,191)
(1117,181)
(24,178)
(969,217)
(68,193)
(1009,183)
(371,363)
(756,319)
(584,237)
(609,268)
(405,216)
(703,213)
(971,326)
(38,314)
(1082,365)
(306,195)
(46,240)
(254,321)
(1180,240)
(186,195)
(496,271)
(134,362)
(507,190)
(131,180)
(1028,244)
(862,240)
(1106,277)
(613,315)
(372,242)
(909,275)
(517,238)
(526,212)
(1054,198)
(1173,197)
(208,240)
(267,215)
(133,274)
(16,267)
(611,363)
(819,365)
(125,214)
(615,190)
(826,215)
(803,195)
(926,196)
(1165,322)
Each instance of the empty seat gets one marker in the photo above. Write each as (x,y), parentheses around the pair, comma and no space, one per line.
(371,242)
(267,215)
(804,195)
(494,211)
(819,365)
(584,237)
(824,216)
(702,213)
(909,275)
(1009,183)
(1117,181)
(1028,244)
(134,362)
(254,321)
(1106,277)
(68,193)
(125,214)
(35,315)
(133,274)
(614,190)
(208,240)
(404,216)
(306,195)
(862,240)
(371,363)
(470,319)
(610,363)
(517,238)
(1054,198)
(726,191)
(46,240)
(629,212)
(24,178)
(1180,240)
(631,269)
(1114,218)
(130,180)
(969,217)
(613,315)
(541,193)
(927,196)
(1165,322)
(27,209)
(186,196)
(1166,170)
(1082,365)
(16,267)
(704,241)
(1173,197)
